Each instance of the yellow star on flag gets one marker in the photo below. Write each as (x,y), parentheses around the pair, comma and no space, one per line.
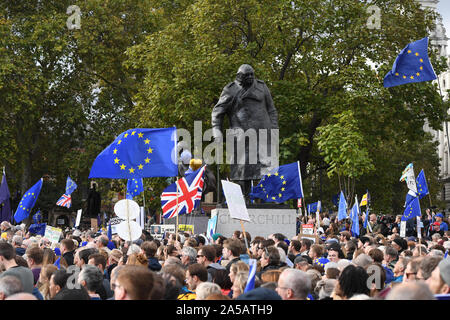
(140,166)
(147,141)
(147,160)
(115,151)
(122,167)
(131,170)
(116,160)
(150,150)
(140,135)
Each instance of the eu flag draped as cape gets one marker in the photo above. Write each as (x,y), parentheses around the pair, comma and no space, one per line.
(412,65)
(138,153)
(281,184)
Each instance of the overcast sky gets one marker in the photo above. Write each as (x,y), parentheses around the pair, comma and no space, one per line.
(444,10)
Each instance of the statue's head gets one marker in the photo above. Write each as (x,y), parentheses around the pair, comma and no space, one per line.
(245,75)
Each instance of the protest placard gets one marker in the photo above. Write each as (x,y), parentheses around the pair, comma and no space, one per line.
(53,234)
(186,228)
(78,220)
(235,201)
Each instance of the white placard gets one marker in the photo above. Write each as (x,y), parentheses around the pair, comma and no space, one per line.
(78,220)
(158,230)
(403,229)
(235,201)
(419,227)
(308,229)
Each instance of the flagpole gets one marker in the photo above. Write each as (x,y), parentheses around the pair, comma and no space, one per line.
(245,238)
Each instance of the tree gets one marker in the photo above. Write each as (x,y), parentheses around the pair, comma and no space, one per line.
(65,93)
(318,58)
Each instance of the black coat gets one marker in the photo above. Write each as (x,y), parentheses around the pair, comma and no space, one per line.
(69,257)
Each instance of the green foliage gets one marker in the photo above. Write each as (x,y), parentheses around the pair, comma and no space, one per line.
(342,145)
(158,63)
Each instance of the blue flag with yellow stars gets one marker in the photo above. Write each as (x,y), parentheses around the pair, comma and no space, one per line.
(38,228)
(412,209)
(281,184)
(354,215)
(421,183)
(138,153)
(314,207)
(134,188)
(70,186)
(412,65)
(28,201)
(342,211)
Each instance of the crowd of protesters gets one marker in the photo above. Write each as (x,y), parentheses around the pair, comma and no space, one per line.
(334,265)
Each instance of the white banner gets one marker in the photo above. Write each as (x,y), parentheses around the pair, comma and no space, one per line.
(235,201)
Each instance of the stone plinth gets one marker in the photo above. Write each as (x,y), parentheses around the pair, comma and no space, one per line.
(263,222)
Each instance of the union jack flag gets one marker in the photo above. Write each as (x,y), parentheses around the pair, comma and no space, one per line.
(65,201)
(189,194)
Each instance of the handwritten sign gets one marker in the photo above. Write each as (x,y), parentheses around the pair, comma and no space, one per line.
(53,234)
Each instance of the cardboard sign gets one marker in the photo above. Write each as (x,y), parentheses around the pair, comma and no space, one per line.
(53,234)
(308,229)
(235,201)
(94,225)
(307,232)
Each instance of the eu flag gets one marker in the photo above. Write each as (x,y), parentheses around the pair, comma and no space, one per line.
(355,219)
(70,186)
(281,184)
(28,201)
(412,65)
(342,211)
(412,209)
(37,217)
(37,228)
(314,207)
(422,187)
(5,204)
(138,153)
(134,188)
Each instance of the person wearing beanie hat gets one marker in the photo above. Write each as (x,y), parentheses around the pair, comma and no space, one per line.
(439,282)
(400,244)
